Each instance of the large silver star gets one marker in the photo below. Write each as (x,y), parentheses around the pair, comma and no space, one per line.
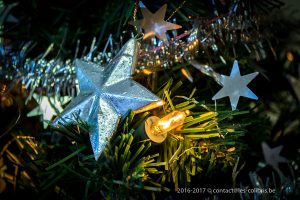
(235,86)
(106,95)
(154,24)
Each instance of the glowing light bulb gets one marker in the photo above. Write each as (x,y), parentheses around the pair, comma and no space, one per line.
(147,71)
(157,129)
(290,56)
(169,122)
(157,62)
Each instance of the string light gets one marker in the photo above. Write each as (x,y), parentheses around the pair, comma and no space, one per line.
(157,129)
(290,56)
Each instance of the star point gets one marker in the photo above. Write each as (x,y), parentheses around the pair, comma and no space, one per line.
(235,86)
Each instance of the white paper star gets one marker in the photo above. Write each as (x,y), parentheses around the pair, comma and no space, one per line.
(154,24)
(235,86)
(272,155)
(48,107)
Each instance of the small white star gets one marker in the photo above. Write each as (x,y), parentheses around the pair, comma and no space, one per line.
(272,156)
(235,86)
(154,24)
(48,107)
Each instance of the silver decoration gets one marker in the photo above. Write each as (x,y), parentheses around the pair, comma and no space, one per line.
(154,24)
(273,158)
(48,107)
(235,86)
(106,95)
(57,77)
(207,70)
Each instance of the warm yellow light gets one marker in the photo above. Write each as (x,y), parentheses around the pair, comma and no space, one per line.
(147,71)
(157,129)
(185,73)
(231,149)
(149,35)
(157,62)
(150,106)
(169,122)
(290,56)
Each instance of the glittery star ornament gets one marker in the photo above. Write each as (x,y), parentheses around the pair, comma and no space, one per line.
(154,24)
(235,86)
(48,107)
(107,94)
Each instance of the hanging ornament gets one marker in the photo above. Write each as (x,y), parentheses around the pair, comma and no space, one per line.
(107,94)
(48,107)
(235,86)
(272,156)
(154,24)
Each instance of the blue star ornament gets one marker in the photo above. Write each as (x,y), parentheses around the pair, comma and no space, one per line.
(235,86)
(107,93)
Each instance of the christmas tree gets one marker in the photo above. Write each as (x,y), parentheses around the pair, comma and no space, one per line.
(149,100)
